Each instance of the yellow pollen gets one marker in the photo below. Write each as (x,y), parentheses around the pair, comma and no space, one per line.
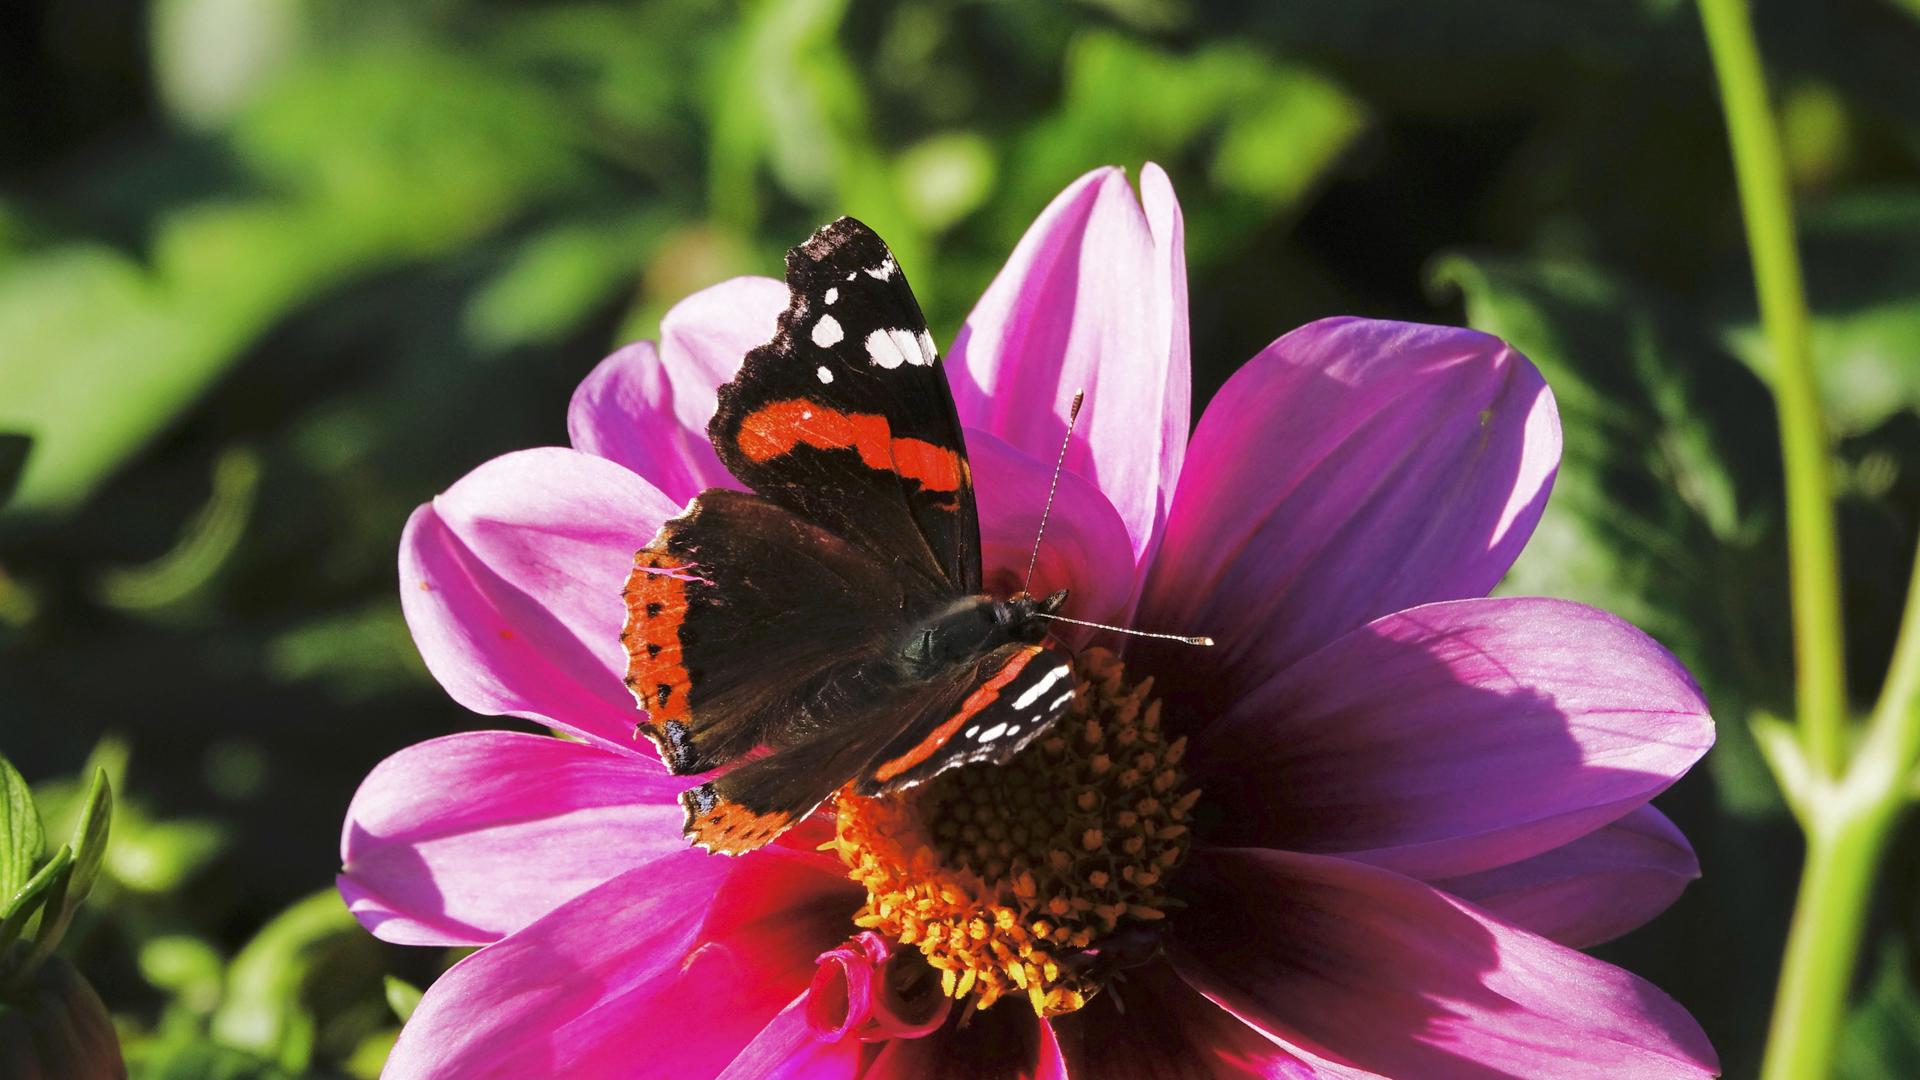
(1003,876)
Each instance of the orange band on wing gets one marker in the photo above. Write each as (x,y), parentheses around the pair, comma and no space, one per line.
(979,699)
(728,828)
(774,430)
(656,606)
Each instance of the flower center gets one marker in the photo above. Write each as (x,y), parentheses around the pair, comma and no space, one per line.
(1036,876)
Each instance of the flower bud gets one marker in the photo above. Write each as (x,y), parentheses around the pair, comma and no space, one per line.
(55,1028)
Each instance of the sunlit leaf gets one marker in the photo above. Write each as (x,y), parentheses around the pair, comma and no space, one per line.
(49,883)
(90,835)
(1862,257)
(21,837)
(402,997)
(262,1012)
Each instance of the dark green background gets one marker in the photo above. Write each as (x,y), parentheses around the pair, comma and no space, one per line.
(272,272)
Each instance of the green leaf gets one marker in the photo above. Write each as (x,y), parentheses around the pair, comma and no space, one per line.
(1862,255)
(402,997)
(262,1011)
(49,883)
(1665,507)
(1273,129)
(21,838)
(90,836)
(186,967)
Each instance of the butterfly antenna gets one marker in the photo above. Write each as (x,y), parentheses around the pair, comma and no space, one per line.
(1073,414)
(1184,639)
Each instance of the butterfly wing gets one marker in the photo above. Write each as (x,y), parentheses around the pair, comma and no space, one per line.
(846,418)
(986,711)
(1009,698)
(748,625)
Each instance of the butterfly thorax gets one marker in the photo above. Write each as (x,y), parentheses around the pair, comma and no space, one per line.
(971,627)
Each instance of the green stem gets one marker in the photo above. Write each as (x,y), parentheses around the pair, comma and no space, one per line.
(1824,944)
(1812,550)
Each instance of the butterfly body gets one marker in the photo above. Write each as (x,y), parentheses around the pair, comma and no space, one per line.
(829,628)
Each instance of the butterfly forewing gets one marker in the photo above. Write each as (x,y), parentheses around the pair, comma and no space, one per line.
(845,417)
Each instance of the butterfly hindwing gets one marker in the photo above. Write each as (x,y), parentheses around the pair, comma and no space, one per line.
(747,626)
(846,418)
(987,711)
(1012,695)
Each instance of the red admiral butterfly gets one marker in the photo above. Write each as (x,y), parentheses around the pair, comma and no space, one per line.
(835,614)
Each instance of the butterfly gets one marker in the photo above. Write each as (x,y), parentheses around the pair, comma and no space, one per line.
(832,618)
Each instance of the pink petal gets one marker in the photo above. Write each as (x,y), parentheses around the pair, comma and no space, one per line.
(788,1047)
(1168,1032)
(671,969)
(1086,547)
(1352,469)
(1454,738)
(440,837)
(1003,1043)
(511,585)
(1593,889)
(1377,971)
(648,408)
(1094,298)
(624,412)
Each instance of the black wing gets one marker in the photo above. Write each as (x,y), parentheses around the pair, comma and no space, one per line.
(1012,695)
(846,419)
(987,711)
(747,626)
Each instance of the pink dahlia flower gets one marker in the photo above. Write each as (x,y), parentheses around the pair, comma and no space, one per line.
(1399,806)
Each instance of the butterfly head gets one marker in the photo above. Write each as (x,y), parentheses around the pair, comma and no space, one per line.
(1026,614)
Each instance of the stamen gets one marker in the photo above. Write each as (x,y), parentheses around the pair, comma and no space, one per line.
(1024,879)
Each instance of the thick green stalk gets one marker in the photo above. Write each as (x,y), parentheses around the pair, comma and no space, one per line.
(1813,563)
(1823,946)
(1848,823)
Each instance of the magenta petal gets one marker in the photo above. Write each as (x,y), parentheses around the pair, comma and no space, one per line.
(1168,1030)
(511,585)
(440,836)
(1370,969)
(1006,1043)
(1094,298)
(1086,548)
(647,408)
(1593,889)
(624,412)
(1454,738)
(677,965)
(788,1047)
(1352,469)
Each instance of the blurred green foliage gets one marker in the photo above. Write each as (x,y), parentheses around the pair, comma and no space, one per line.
(272,272)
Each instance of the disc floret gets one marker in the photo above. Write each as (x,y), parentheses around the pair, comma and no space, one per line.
(1023,878)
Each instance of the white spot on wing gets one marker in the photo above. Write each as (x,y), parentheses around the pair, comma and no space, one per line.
(826,376)
(827,332)
(885,270)
(993,733)
(972,731)
(832,295)
(1033,692)
(891,348)
(928,353)
(1059,701)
